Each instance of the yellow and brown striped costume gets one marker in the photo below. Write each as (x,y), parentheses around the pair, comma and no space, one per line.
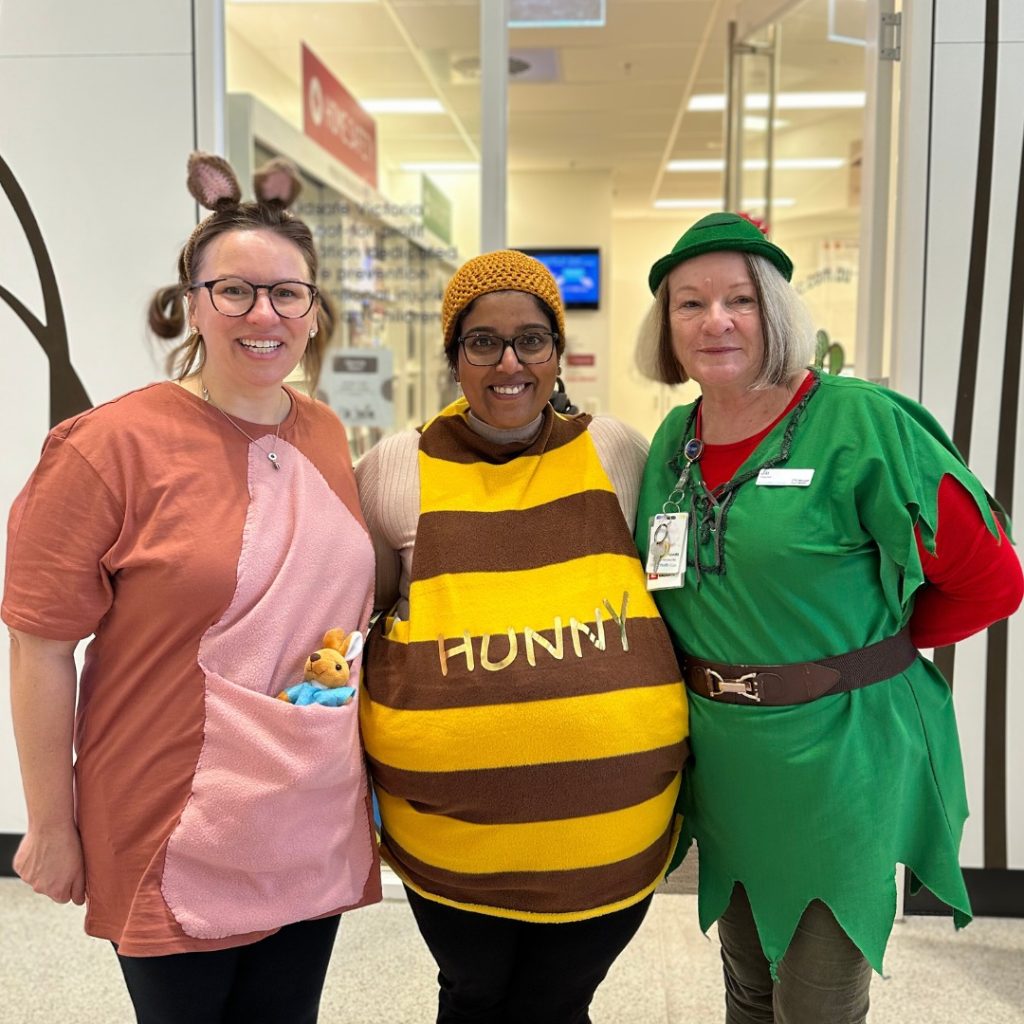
(526,726)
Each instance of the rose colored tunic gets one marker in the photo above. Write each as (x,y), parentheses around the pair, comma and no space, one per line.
(210,813)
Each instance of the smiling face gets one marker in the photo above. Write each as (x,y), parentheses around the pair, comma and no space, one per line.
(258,350)
(715,321)
(509,394)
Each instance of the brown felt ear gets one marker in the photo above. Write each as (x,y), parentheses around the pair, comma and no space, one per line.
(212,182)
(277,181)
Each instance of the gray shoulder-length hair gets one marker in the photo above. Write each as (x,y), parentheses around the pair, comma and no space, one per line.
(785,323)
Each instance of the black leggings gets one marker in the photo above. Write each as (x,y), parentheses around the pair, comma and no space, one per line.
(497,971)
(277,980)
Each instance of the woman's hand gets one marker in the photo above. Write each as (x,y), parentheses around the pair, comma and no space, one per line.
(43,690)
(49,859)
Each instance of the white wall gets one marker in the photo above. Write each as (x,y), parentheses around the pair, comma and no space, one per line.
(960,193)
(571,208)
(637,243)
(96,123)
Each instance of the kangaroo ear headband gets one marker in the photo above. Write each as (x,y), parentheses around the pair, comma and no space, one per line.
(212,183)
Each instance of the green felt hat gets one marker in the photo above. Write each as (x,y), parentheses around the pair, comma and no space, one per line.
(717,232)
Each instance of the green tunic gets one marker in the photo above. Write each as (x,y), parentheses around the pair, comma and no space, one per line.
(820,800)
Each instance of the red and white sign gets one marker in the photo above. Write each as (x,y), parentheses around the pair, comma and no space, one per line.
(331,116)
(580,359)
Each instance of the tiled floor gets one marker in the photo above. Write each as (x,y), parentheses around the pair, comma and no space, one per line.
(50,973)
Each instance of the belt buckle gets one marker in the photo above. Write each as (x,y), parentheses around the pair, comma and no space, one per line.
(746,685)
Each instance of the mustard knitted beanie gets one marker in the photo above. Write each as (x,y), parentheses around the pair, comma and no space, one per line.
(504,270)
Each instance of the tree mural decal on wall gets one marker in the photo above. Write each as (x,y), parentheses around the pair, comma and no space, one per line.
(67,394)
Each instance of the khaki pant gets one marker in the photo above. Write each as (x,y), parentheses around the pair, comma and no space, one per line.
(823,978)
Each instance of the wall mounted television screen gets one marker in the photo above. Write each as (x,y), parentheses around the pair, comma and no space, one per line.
(578,273)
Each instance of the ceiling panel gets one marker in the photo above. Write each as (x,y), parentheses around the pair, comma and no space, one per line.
(610,97)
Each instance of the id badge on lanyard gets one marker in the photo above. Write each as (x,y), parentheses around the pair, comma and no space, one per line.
(666,550)
(668,530)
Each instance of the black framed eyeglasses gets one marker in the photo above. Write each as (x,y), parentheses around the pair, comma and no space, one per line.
(234,296)
(489,349)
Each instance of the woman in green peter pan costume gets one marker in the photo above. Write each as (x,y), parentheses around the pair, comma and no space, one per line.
(832,531)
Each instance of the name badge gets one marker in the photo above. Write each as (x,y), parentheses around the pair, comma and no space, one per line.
(666,550)
(784,477)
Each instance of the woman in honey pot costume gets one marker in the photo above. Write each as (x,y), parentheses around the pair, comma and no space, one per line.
(525,720)
(833,530)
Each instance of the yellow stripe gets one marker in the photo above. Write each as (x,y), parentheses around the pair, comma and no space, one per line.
(564,845)
(486,602)
(525,482)
(627,721)
(531,915)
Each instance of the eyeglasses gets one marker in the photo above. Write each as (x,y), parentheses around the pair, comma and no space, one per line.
(234,296)
(489,349)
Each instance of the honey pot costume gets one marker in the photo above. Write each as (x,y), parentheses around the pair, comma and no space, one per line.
(523,717)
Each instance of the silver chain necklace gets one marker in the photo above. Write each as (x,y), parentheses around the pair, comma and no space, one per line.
(272,454)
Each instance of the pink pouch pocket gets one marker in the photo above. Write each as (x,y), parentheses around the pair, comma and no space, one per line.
(276,829)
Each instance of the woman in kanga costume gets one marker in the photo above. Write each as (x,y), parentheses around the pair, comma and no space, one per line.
(214,832)
(832,531)
(526,722)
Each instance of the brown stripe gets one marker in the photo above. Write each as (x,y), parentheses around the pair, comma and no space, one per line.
(537,792)
(996,840)
(967,373)
(406,676)
(452,439)
(539,892)
(975,292)
(520,539)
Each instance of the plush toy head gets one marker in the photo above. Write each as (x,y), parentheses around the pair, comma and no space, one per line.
(329,666)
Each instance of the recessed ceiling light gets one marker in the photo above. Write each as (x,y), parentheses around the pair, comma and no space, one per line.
(402,106)
(783,101)
(804,163)
(440,167)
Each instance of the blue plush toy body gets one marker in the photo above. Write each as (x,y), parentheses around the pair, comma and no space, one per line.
(326,672)
(313,693)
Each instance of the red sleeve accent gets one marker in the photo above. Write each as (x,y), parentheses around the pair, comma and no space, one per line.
(973,579)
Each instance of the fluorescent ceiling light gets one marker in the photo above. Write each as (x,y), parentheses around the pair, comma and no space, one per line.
(688,204)
(402,106)
(760,203)
(783,101)
(757,123)
(440,167)
(556,14)
(803,163)
(715,204)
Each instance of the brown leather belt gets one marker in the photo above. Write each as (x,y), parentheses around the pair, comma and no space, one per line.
(801,681)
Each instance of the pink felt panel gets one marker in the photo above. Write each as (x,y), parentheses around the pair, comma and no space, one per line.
(275,830)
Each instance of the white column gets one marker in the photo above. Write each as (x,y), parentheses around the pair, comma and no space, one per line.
(493,123)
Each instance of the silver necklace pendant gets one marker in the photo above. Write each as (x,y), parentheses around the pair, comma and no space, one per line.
(272,456)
